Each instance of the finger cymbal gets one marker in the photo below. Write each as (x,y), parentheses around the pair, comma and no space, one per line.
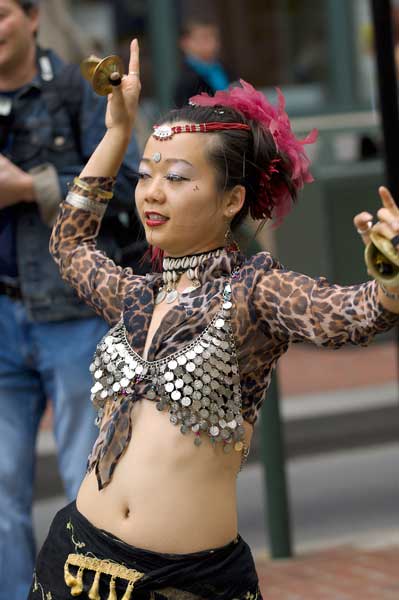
(88,66)
(98,72)
(382,260)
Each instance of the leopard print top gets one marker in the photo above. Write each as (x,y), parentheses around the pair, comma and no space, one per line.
(272,308)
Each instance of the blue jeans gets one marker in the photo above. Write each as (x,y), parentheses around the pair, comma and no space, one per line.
(39,361)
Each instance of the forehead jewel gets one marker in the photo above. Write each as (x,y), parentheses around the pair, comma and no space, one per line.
(156,157)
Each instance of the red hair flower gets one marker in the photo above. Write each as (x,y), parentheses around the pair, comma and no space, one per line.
(274,199)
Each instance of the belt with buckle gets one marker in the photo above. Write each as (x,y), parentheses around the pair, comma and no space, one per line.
(12,291)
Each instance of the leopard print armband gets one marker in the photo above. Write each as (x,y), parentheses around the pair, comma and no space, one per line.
(95,188)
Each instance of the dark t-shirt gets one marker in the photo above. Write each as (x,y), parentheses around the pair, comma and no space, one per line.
(190,82)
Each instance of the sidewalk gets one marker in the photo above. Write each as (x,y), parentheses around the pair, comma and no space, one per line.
(305,369)
(343,573)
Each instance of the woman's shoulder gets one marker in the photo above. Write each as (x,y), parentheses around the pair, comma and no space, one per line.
(255,269)
(261,262)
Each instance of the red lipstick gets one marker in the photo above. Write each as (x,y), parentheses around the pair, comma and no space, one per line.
(154,219)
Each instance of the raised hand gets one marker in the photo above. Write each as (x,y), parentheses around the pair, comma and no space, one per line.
(123,101)
(388,220)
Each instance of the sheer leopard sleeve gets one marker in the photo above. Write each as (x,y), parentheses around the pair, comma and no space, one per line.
(96,278)
(299,308)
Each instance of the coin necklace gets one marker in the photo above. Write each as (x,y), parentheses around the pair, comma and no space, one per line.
(173,269)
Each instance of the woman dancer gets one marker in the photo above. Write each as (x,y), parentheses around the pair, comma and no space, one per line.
(180,378)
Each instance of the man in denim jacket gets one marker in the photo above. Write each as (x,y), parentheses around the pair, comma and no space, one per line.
(50,123)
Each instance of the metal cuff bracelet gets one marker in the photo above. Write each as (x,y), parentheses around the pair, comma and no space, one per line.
(86,204)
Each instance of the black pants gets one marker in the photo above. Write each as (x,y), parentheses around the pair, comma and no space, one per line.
(78,554)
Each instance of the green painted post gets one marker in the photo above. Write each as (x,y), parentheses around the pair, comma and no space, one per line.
(341,53)
(277,511)
(162,20)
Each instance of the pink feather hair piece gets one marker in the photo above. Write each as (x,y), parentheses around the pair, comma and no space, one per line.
(274,198)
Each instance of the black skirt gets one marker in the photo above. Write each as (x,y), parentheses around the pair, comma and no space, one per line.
(80,560)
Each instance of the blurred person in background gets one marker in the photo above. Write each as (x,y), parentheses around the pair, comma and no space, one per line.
(201,69)
(61,33)
(50,123)
(181,376)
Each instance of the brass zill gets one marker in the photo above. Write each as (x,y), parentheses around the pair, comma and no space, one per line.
(98,72)
(382,260)
(88,66)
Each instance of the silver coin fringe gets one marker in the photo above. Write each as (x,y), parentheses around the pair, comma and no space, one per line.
(199,385)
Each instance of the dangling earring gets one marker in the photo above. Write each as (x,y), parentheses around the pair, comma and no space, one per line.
(229,242)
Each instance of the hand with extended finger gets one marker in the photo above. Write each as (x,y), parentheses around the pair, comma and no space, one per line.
(123,101)
(382,244)
(388,224)
(388,219)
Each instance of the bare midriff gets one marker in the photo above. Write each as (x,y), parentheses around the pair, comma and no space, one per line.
(166,494)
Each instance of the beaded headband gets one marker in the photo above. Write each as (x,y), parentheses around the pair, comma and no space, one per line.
(165,132)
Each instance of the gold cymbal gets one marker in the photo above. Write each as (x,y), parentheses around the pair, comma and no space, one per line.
(382,260)
(88,66)
(98,71)
(385,247)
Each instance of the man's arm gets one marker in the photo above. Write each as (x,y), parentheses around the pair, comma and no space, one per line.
(15,185)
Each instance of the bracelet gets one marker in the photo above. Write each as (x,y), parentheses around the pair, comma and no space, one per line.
(103,194)
(389,294)
(86,204)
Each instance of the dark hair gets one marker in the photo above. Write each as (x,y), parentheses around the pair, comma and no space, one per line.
(188,26)
(27,5)
(238,156)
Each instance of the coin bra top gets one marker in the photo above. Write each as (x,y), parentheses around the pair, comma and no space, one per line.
(199,385)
